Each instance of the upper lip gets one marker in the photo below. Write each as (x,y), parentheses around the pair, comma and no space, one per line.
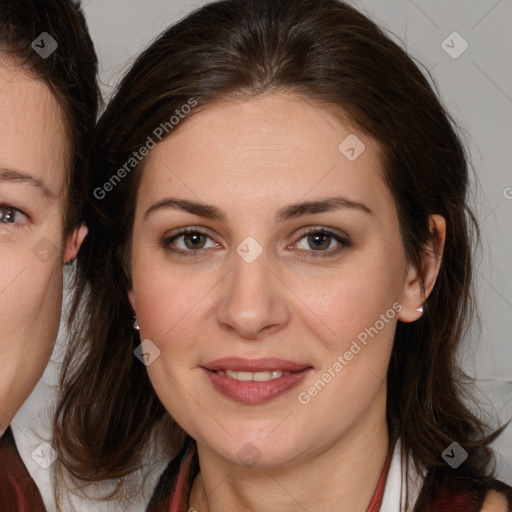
(239,364)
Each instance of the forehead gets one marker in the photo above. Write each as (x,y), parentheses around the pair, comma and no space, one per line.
(272,146)
(32,128)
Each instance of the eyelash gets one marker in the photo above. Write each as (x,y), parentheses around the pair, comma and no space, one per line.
(312,231)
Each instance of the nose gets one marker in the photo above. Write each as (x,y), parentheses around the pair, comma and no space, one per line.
(255,301)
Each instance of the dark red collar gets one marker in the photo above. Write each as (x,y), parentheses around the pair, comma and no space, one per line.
(378,495)
(18,491)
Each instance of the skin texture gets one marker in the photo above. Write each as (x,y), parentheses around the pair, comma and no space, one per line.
(250,158)
(32,245)
(495,502)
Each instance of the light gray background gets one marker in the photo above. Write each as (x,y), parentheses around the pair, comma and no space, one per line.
(476,88)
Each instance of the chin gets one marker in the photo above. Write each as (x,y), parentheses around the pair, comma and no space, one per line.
(255,450)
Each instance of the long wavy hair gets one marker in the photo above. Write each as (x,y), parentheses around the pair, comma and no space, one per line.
(332,55)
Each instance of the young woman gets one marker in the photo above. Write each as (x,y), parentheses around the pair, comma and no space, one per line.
(278,196)
(48,106)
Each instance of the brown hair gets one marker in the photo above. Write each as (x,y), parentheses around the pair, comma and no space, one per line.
(70,72)
(329,53)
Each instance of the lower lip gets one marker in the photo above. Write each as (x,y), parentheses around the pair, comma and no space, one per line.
(252,392)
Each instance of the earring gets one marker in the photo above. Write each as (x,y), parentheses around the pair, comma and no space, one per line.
(135,323)
(420,309)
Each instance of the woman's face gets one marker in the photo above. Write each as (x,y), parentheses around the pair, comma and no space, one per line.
(246,297)
(33,163)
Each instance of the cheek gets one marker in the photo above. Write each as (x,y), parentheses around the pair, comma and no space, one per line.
(33,300)
(170,298)
(31,285)
(352,370)
(164,304)
(30,312)
(342,305)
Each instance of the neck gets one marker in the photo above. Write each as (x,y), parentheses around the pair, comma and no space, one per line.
(342,476)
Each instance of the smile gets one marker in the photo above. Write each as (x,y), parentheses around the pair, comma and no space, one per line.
(254,381)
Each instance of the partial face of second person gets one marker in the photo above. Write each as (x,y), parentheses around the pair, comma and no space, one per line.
(253,288)
(33,165)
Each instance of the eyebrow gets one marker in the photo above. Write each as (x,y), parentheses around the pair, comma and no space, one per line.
(287,212)
(13,176)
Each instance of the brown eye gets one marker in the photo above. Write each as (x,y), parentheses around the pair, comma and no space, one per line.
(194,240)
(323,242)
(319,240)
(187,242)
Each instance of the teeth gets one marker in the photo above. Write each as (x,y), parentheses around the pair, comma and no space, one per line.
(254,376)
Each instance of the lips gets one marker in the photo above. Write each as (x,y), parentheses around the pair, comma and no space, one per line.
(254,381)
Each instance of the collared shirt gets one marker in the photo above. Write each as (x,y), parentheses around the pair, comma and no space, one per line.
(173,491)
(441,490)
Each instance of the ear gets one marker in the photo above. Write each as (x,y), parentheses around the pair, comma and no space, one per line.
(129,290)
(131,298)
(73,243)
(416,290)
